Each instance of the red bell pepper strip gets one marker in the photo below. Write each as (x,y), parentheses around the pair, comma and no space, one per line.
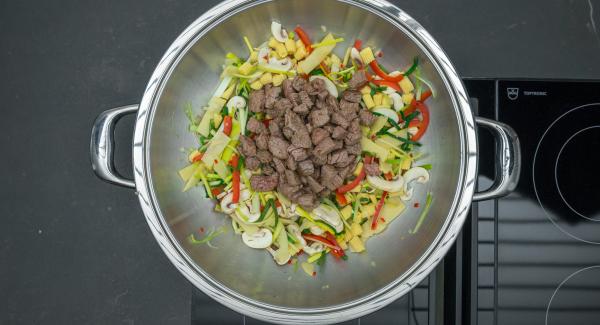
(227,125)
(320,239)
(348,187)
(236,179)
(198,157)
(304,38)
(393,85)
(378,210)
(339,252)
(388,176)
(217,190)
(358,44)
(341,199)
(424,95)
(424,121)
(375,66)
(413,104)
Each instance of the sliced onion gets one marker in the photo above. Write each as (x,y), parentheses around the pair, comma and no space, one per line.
(279,33)
(387,113)
(329,85)
(355,55)
(395,185)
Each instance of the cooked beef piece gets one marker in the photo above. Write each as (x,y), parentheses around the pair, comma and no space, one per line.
(310,89)
(261,183)
(339,144)
(302,109)
(317,173)
(324,147)
(247,146)
(271,95)
(279,166)
(252,163)
(274,128)
(298,83)
(302,139)
(322,95)
(303,180)
(332,102)
(372,169)
(347,107)
(354,149)
(300,136)
(256,101)
(324,193)
(294,121)
(282,105)
(288,89)
(320,104)
(264,156)
(306,167)
(318,117)
(338,132)
(345,171)
(305,98)
(330,177)
(358,80)
(297,152)
(256,126)
(329,128)
(354,133)
(314,185)
(295,99)
(366,117)
(339,119)
(307,200)
(278,147)
(262,141)
(291,177)
(318,84)
(319,160)
(340,158)
(288,190)
(288,133)
(268,170)
(318,134)
(309,127)
(352,96)
(290,163)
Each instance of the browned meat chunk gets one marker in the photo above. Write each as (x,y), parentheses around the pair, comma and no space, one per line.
(262,141)
(279,166)
(318,135)
(261,183)
(305,98)
(252,163)
(324,148)
(318,117)
(256,126)
(288,89)
(354,149)
(339,119)
(264,156)
(359,79)
(307,200)
(298,83)
(340,158)
(347,107)
(306,167)
(271,95)
(366,117)
(352,96)
(372,169)
(256,101)
(274,129)
(314,185)
(330,178)
(292,178)
(332,103)
(290,163)
(268,170)
(298,153)
(278,147)
(247,146)
(318,84)
(302,109)
(338,133)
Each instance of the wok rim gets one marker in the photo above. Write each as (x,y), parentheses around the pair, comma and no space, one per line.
(336,313)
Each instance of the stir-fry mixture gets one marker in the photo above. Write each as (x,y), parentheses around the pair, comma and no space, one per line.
(307,151)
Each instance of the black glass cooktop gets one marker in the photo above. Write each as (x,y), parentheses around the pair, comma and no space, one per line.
(532,257)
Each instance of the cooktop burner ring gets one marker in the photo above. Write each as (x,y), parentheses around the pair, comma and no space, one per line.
(571,276)
(556,172)
(537,153)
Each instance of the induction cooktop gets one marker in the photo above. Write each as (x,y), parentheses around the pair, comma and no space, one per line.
(532,257)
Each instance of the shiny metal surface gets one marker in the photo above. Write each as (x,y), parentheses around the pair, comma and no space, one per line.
(101,146)
(246,280)
(508,166)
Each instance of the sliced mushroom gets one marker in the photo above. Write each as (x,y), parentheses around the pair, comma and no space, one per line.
(278,32)
(294,230)
(314,248)
(316,230)
(263,238)
(236,103)
(328,215)
(228,207)
(394,185)
(251,217)
(396,98)
(418,174)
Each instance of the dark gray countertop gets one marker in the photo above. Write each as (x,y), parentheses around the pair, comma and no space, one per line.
(76,250)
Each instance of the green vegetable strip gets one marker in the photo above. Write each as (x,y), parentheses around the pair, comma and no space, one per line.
(406,141)
(423,213)
(413,67)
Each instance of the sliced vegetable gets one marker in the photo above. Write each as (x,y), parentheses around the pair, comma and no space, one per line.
(423,214)
(329,85)
(263,238)
(316,56)
(378,210)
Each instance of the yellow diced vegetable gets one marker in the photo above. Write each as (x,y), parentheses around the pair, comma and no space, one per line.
(253,56)
(245,68)
(290,46)
(365,90)
(348,235)
(300,53)
(390,211)
(378,98)
(406,164)
(299,44)
(406,85)
(228,92)
(346,212)
(281,50)
(256,85)
(356,229)
(278,79)
(366,55)
(368,210)
(356,245)
(313,258)
(370,146)
(343,245)
(358,168)
(386,101)
(273,42)
(266,78)
(407,98)
(308,268)
(368,101)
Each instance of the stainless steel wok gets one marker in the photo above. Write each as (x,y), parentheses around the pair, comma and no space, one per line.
(247,280)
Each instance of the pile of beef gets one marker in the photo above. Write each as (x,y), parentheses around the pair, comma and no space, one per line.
(309,142)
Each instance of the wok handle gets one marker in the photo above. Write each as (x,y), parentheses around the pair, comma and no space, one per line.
(101,146)
(508,166)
